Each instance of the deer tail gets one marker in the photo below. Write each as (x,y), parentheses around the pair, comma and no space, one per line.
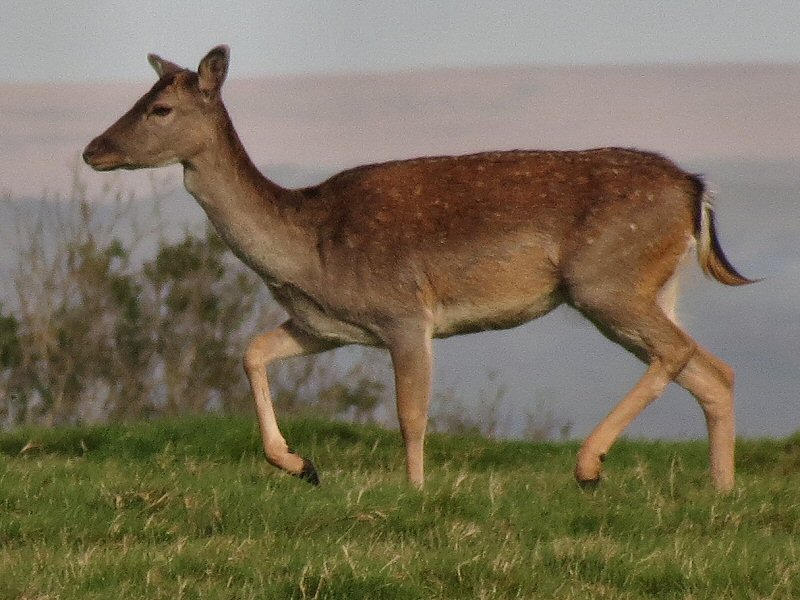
(709,251)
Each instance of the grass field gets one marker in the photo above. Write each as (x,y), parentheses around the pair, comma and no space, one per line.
(189,509)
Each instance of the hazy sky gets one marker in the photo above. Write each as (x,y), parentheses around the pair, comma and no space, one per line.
(99,41)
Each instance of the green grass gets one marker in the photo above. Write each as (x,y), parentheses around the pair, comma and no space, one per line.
(189,509)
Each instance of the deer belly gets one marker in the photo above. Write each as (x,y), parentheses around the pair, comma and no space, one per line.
(500,290)
(499,313)
(312,317)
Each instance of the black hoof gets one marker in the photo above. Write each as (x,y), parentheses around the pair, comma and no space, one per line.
(589,485)
(309,473)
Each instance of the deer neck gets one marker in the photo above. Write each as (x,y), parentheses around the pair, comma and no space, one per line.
(245,207)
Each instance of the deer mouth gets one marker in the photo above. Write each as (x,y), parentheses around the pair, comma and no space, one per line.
(102,156)
(104,165)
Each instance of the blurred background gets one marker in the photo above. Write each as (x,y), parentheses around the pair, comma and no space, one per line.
(95,314)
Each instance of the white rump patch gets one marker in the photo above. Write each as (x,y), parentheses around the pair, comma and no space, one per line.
(668,296)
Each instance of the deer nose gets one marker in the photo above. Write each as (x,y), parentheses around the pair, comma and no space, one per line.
(91,150)
(97,148)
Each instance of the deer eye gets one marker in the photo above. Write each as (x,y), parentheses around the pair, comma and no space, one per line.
(160,110)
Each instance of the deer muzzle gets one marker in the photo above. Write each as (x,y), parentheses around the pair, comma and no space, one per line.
(103,155)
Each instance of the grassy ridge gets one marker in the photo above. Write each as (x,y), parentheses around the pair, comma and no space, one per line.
(189,509)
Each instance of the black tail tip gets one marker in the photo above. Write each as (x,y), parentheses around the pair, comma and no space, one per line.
(309,473)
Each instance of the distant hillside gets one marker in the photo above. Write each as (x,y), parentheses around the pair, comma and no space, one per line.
(692,113)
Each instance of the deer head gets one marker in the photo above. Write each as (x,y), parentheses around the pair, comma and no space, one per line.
(171,123)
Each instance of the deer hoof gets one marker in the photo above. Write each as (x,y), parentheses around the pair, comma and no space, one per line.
(309,473)
(589,485)
(588,469)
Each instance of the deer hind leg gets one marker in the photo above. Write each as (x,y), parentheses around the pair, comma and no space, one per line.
(641,326)
(282,342)
(656,338)
(596,446)
(710,381)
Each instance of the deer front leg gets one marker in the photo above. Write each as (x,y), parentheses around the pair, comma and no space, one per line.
(412,359)
(282,342)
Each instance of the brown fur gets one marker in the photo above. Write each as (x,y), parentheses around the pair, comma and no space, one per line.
(397,253)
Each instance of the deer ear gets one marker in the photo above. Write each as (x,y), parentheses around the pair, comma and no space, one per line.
(161,66)
(213,69)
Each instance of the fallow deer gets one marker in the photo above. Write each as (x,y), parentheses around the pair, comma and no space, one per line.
(398,253)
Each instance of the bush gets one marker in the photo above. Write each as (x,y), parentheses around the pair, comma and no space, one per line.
(112,321)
